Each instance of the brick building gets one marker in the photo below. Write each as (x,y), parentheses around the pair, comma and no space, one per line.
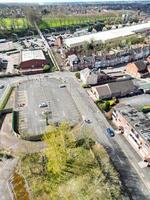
(136,128)
(138,69)
(32,59)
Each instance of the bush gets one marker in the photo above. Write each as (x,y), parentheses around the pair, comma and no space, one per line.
(46,68)
(86,86)
(106,106)
(77,74)
(146,109)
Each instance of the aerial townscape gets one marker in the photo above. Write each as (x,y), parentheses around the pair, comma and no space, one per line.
(75,100)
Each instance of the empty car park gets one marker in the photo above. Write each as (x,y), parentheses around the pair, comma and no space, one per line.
(45,102)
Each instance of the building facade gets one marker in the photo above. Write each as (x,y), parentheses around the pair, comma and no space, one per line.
(136,128)
(33,59)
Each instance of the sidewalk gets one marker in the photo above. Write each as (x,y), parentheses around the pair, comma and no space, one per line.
(16,145)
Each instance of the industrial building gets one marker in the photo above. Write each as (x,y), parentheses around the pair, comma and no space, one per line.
(32,59)
(135,126)
(102,37)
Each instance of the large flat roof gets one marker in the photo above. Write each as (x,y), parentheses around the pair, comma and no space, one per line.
(32,55)
(138,120)
(107,35)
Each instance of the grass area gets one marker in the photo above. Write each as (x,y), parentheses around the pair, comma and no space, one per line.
(17,23)
(52,21)
(70,169)
(58,21)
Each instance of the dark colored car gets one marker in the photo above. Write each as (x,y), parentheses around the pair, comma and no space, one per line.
(110,132)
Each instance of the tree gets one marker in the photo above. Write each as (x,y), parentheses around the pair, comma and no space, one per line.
(33,15)
(46,68)
(106,106)
(57,140)
(77,74)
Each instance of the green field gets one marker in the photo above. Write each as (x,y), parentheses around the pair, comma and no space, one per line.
(55,21)
(49,21)
(17,23)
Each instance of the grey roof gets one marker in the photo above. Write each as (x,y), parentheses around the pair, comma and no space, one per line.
(138,120)
(118,87)
(103,90)
(121,86)
(140,65)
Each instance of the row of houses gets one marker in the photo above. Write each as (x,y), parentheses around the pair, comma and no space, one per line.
(108,60)
(116,89)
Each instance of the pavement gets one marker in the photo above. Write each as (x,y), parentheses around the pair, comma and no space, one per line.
(14,144)
(6,169)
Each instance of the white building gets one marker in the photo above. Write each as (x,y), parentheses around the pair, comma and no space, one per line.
(88,77)
(105,36)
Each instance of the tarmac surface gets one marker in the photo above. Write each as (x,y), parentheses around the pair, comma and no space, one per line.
(60,106)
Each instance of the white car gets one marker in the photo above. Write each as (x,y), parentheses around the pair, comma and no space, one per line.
(43,105)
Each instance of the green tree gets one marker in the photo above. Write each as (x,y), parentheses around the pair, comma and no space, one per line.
(106,106)
(77,74)
(57,140)
(46,68)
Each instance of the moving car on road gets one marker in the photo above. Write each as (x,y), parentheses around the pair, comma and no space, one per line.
(110,132)
(43,105)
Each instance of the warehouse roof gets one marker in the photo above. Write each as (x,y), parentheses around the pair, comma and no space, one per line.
(32,55)
(107,35)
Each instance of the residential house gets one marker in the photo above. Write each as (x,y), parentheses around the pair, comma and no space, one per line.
(75,63)
(138,69)
(94,76)
(114,89)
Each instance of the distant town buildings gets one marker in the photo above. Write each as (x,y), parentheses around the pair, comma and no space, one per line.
(136,127)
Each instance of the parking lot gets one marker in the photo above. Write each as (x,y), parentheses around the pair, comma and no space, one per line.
(59,106)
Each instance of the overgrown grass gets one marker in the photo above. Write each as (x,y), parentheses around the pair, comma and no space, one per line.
(85,170)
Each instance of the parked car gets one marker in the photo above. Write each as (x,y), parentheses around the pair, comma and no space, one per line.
(62,86)
(43,105)
(87,121)
(1,86)
(110,132)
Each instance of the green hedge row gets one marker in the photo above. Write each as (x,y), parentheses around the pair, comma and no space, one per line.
(5,97)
